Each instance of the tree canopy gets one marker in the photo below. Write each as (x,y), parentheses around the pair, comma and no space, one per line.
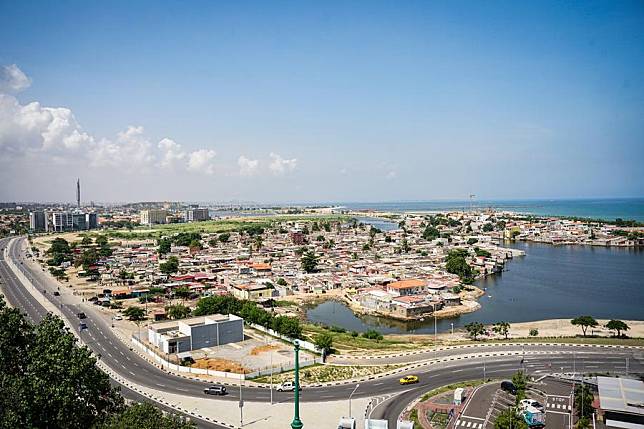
(309,261)
(145,416)
(585,322)
(618,326)
(170,266)
(48,380)
(474,329)
(502,328)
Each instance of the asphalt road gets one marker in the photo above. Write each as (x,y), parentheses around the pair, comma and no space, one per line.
(104,343)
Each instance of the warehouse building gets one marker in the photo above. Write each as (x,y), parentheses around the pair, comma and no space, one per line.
(179,336)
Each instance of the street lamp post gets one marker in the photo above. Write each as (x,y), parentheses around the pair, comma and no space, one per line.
(271,353)
(435,344)
(452,328)
(354,391)
(297,423)
(241,406)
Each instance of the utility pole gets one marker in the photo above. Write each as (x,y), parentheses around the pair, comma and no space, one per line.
(354,391)
(483,370)
(297,423)
(271,352)
(241,406)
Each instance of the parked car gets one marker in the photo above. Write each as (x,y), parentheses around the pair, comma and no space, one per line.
(287,386)
(82,315)
(525,403)
(118,317)
(56,293)
(509,387)
(216,389)
(409,379)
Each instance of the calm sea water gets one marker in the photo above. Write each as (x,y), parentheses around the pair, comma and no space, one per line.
(549,282)
(606,208)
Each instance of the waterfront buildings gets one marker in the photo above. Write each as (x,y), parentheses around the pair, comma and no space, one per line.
(153,216)
(621,402)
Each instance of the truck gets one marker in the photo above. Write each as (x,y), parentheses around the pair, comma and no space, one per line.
(533,417)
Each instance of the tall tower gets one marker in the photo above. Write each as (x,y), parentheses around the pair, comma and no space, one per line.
(78,192)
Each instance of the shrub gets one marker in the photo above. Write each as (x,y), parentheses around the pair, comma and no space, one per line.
(372,334)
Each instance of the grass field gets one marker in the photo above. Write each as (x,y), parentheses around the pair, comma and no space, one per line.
(216,226)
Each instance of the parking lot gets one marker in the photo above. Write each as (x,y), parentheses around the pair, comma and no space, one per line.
(488,401)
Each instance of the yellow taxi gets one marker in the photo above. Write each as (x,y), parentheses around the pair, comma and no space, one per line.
(409,379)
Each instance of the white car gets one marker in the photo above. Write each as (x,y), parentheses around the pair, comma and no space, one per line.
(117,317)
(287,386)
(525,403)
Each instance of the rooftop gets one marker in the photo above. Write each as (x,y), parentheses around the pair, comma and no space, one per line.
(621,394)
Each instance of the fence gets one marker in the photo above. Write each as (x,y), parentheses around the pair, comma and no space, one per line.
(306,345)
(221,374)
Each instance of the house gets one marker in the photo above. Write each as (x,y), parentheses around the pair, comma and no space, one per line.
(407,287)
(409,306)
(252,291)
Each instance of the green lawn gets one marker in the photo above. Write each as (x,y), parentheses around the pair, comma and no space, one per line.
(569,340)
(344,342)
(216,226)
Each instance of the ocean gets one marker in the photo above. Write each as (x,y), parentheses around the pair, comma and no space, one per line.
(598,208)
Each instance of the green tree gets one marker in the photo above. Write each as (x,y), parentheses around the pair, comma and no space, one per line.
(474,329)
(178,311)
(224,237)
(134,313)
(48,380)
(488,227)
(86,241)
(583,400)
(618,326)
(101,240)
(457,265)
(324,341)
(534,332)
(182,292)
(309,261)
(165,245)
(472,240)
(502,328)
(509,419)
(281,282)
(430,233)
(584,322)
(146,416)
(171,266)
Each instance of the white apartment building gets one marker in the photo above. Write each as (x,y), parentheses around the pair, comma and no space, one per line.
(153,216)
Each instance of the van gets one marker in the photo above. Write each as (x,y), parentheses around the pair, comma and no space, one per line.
(509,387)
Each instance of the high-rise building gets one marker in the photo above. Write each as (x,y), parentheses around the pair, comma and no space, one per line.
(197,214)
(70,221)
(38,221)
(78,193)
(153,216)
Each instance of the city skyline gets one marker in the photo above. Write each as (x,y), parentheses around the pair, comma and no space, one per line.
(327,103)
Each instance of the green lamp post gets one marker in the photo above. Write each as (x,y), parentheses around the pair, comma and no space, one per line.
(297,423)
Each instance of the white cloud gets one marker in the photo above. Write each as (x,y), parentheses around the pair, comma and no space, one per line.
(172,153)
(279,165)
(247,167)
(201,161)
(35,128)
(54,134)
(12,79)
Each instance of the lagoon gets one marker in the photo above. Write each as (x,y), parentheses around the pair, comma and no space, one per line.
(549,282)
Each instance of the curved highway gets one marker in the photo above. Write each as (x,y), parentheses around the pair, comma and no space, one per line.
(129,365)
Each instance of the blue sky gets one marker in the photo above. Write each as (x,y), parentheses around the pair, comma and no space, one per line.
(318,101)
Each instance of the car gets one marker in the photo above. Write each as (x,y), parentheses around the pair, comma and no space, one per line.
(216,389)
(56,293)
(117,317)
(409,379)
(509,387)
(82,315)
(525,403)
(287,386)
